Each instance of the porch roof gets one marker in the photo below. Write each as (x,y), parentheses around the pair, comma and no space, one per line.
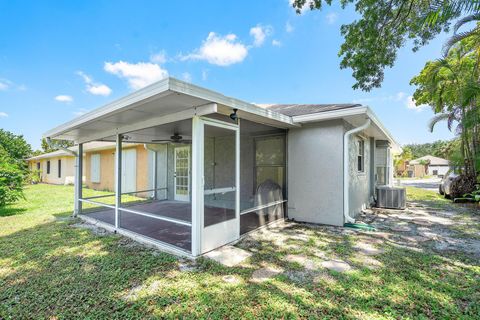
(163,102)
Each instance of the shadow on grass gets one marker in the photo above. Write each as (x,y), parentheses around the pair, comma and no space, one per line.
(58,270)
(8,210)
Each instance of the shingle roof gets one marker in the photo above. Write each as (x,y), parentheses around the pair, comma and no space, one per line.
(433,161)
(302,109)
(89,146)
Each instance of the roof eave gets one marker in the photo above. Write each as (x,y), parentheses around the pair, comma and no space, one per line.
(353,111)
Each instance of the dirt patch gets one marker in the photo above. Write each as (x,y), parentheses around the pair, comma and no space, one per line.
(93,228)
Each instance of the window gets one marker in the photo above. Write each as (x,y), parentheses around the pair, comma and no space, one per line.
(59,168)
(95,168)
(270,160)
(360,155)
(48,167)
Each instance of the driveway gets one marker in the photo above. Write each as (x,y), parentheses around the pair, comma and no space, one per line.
(427,184)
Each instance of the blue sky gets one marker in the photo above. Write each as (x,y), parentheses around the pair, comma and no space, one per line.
(61,59)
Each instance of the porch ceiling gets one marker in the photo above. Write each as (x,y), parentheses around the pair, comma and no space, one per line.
(166,101)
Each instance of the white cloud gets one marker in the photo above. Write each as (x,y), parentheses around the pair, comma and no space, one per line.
(139,74)
(3,115)
(64,98)
(276,43)
(260,33)
(288,27)
(219,50)
(160,57)
(400,95)
(410,103)
(187,77)
(80,112)
(95,88)
(204,75)
(331,17)
(5,84)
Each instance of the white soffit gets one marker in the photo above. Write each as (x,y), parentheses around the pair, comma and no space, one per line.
(163,99)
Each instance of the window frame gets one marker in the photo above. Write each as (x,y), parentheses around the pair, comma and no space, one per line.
(256,165)
(48,167)
(59,164)
(360,154)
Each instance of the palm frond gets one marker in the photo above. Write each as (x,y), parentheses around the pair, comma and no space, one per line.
(456,38)
(436,119)
(464,20)
(444,10)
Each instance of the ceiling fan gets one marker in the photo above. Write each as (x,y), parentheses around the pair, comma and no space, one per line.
(176,138)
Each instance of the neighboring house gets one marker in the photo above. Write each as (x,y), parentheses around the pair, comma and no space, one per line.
(218,167)
(58,167)
(428,166)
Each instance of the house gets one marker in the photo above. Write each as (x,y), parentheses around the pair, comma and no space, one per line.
(432,166)
(219,167)
(58,167)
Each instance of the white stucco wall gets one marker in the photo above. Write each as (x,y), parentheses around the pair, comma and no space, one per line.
(315,171)
(442,170)
(67,171)
(359,182)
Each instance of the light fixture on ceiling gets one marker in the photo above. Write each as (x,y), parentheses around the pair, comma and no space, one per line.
(234,115)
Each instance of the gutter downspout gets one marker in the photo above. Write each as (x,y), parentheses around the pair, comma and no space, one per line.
(346,167)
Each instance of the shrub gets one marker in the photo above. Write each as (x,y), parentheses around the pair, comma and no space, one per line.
(11,182)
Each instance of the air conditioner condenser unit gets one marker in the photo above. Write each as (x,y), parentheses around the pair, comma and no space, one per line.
(391,197)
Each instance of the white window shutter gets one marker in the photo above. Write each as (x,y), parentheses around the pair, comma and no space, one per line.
(95,168)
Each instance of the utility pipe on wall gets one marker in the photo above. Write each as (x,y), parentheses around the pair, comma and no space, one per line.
(346,169)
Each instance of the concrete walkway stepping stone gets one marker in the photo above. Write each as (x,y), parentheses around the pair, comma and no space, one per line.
(303,260)
(367,249)
(414,239)
(229,256)
(336,265)
(231,279)
(401,228)
(265,274)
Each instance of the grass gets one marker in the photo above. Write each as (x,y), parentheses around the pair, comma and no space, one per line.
(51,269)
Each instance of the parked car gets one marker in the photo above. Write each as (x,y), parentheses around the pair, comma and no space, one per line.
(445,184)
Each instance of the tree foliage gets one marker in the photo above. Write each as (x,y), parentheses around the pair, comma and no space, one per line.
(438,148)
(15,146)
(451,86)
(55,145)
(371,43)
(11,178)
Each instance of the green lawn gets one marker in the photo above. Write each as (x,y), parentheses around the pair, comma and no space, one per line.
(51,269)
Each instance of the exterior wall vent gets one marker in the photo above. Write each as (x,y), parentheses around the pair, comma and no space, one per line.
(391,197)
